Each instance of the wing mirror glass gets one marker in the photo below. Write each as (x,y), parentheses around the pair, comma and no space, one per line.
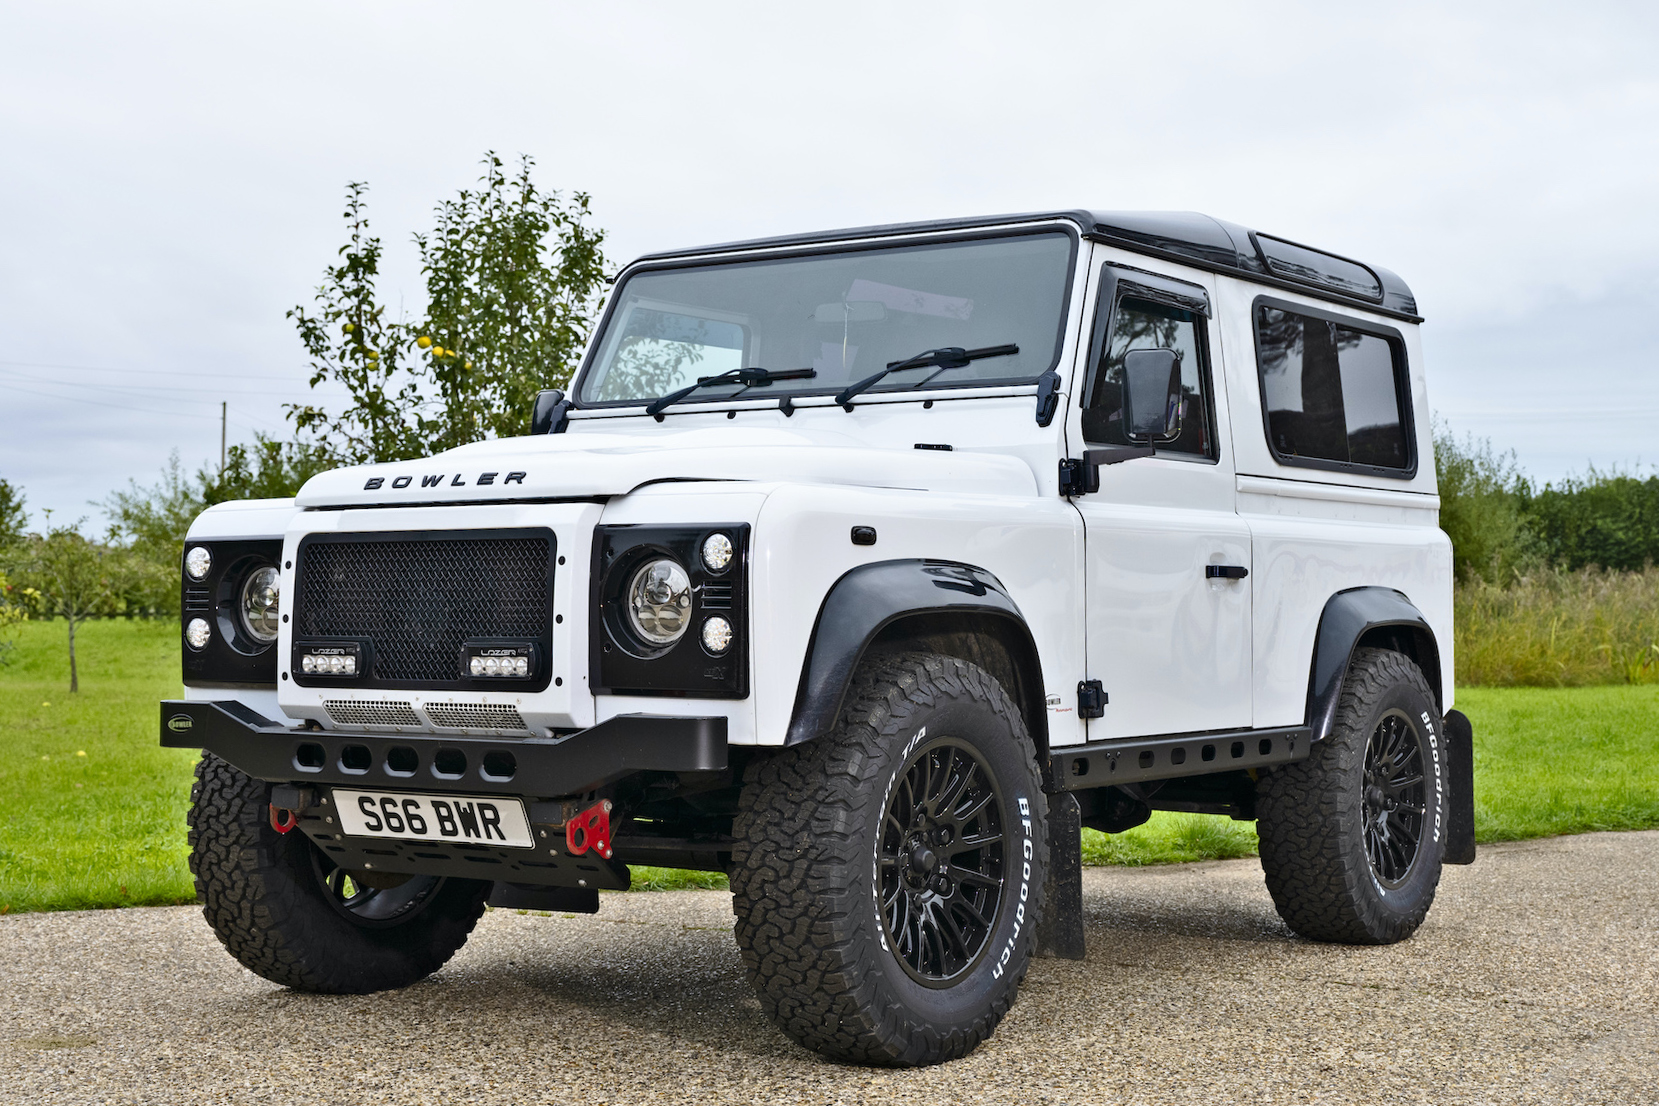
(1152,395)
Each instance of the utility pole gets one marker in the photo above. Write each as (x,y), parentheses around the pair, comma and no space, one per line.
(223,404)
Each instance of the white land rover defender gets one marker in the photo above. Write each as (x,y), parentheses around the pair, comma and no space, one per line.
(865,567)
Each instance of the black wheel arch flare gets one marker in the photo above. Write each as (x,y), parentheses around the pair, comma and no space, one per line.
(1373,616)
(943,606)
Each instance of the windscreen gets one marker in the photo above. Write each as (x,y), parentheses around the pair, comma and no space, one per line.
(844,315)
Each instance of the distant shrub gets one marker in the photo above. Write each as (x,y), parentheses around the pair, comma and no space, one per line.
(1606,519)
(1555,628)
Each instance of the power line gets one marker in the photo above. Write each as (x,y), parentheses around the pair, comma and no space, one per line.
(151,372)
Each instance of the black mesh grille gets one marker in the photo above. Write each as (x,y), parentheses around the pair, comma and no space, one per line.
(418,601)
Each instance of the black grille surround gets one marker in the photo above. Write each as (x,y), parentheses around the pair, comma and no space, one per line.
(415,599)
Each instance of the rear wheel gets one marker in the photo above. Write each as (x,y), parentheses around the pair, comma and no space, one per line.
(1352,837)
(888,876)
(287,912)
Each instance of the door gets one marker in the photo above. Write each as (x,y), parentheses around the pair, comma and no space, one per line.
(1168,610)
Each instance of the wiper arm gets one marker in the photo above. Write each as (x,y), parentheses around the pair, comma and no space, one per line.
(950,357)
(749,378)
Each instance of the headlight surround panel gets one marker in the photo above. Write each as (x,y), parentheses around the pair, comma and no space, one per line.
(622,662)
(232,656)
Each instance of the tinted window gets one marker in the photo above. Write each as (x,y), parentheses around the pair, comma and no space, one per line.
(1139,324)
(1332,391)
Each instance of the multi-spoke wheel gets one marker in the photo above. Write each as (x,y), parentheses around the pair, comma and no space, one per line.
(1394,798)
(940,864)
(287,912)
(1352,837)
(888,877)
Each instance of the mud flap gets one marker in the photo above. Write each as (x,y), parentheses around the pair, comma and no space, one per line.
(1460,769)
(1060,933)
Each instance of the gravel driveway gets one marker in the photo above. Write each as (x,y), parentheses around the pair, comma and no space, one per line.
(1535,980)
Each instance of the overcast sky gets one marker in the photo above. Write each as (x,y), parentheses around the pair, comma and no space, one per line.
(171,176)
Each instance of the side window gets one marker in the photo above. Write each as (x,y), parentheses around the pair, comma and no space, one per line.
(1142,324)
(1333,391)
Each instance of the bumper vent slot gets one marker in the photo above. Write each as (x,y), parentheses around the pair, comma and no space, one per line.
(349,712)
(197,599)
(418,600)
(717,597)
(475,716)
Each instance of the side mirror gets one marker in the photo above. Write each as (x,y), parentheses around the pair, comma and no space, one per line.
(1152,395)
(548,416)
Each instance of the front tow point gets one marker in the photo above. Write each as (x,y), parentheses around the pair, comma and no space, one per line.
(590,829)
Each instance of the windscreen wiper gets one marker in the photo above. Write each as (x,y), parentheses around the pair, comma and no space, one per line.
(749,378)
(949,357)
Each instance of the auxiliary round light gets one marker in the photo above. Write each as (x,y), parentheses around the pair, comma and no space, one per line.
(198,562)
(261,600)
(717,635)
(659,601)
(717,552)
(197,633)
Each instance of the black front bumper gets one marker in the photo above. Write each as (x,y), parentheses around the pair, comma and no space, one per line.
(535,767)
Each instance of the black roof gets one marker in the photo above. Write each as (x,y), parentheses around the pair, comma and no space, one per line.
(1185,236)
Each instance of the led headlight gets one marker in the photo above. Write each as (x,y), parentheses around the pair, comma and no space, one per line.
(261,595)
(659,601)
(717,635)
(197,633)
(717,552)
(198,562)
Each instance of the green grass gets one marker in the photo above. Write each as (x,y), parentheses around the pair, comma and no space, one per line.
(91,808)
(107,828)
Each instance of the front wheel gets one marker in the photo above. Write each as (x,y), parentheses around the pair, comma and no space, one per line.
(290,914)
(1352,837)
(888,876)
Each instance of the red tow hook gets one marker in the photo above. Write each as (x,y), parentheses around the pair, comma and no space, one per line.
(283,820)
(590,829)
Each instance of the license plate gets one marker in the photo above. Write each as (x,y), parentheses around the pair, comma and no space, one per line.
(469,818)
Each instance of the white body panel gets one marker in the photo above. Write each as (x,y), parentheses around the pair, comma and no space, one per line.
(1111,585)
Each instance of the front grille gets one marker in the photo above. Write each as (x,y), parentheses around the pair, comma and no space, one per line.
(418,600)
(347,712)
(475,716)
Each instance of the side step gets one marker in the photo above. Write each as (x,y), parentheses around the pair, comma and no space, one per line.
(1137,759)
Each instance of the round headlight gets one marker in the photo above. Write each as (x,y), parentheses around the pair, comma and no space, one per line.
(261,593)
(198,562)
(659,601)
(717,552)
(717,635)
(197,633)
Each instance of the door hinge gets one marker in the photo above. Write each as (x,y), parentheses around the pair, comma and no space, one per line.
(1091,699)
(1078,477)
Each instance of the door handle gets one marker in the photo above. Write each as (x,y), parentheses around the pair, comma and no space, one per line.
(1225,572)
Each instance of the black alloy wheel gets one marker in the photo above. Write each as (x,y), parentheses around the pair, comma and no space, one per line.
(888,876)
(940,863)
(1394,798)
(1353,837)
(374,899)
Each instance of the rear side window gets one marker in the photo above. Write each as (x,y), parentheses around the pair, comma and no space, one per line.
(1334,391)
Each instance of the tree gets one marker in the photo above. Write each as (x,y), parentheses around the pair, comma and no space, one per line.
(268,469)
(512,280)
(1482,497)
(12,515)
(74,578)
(151,523)
(12,614)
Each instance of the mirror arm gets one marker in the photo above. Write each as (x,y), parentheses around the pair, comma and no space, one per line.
(1081,477)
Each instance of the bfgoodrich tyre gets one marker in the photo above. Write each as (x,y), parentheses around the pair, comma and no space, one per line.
(1352,838)
(888,876)
(287,913)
